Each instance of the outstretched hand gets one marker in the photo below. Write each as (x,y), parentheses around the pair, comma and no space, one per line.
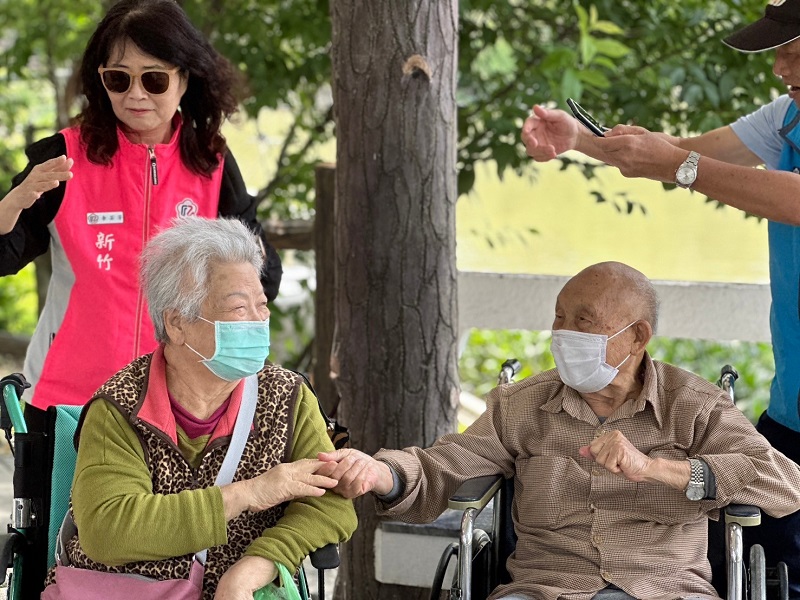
(42,178)
(356,472)
(548,132)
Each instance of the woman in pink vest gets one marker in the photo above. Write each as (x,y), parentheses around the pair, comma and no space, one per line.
(145,149)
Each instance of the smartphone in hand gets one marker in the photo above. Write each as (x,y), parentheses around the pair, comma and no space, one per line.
(584,117)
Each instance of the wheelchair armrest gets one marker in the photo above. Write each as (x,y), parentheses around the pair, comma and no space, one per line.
(326,557)
(475,493)
(743,514)
(10,544)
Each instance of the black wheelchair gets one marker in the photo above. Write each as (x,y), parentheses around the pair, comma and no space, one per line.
(44,465)
(482,554)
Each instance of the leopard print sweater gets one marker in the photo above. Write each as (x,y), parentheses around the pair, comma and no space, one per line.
(268,444)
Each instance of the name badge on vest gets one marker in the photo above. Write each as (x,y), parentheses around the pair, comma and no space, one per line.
(104,218)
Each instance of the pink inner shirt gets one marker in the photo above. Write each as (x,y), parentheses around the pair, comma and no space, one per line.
(193,426)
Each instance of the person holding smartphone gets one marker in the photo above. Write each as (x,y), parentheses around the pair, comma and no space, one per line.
(720,164)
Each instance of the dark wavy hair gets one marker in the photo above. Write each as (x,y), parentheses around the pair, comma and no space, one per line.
(161,29)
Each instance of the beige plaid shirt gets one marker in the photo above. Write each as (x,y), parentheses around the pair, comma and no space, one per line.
(581,527)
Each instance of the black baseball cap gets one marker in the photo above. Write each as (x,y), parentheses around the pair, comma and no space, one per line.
(779,25)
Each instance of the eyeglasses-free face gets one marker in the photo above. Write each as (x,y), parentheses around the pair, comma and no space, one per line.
(119,81)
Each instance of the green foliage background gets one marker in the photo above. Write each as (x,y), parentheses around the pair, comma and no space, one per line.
(485,351)
(656,63)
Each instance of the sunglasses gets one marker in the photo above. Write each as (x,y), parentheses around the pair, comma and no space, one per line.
(119,81)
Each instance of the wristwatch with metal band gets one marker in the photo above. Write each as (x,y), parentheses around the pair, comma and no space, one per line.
(696,490)
(687,172)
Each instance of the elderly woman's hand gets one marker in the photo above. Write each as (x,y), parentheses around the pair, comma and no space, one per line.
(288,481)
(281,483)
(246,575)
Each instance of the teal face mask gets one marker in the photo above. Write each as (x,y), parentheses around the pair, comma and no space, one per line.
(241,348)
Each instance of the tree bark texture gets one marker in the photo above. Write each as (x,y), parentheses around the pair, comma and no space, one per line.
(394,74)
(324,295)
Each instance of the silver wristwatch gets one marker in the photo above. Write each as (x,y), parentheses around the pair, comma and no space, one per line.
(687,172)
(696,490)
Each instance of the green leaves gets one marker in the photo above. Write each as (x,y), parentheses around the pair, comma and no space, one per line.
(486,350)
(659,63)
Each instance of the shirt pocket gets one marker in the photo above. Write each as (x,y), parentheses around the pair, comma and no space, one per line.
(545,487)
(664,504)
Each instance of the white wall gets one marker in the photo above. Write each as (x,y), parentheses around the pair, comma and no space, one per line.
(713,311)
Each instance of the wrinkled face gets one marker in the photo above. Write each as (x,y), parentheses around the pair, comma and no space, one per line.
(146,117)
(234,294)
(590,303)
(787,67)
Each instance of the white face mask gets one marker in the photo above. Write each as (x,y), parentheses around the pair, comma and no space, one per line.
(581,359)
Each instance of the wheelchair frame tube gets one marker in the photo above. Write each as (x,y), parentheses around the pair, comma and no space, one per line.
(464,589)
(734,548)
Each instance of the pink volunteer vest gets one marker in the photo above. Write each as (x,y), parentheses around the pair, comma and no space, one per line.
(107,216)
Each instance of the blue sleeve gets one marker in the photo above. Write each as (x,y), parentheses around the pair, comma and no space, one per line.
(759,131)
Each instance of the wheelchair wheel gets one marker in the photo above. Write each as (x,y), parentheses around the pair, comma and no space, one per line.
(758,573)
(783,581)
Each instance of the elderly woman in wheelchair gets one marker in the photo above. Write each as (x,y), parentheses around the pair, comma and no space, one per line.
(198,453)
(617,460)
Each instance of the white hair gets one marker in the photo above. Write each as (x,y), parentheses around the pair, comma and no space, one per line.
(176,264)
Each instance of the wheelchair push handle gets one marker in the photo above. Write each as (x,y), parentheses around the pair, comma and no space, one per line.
(508,370)
(12,387)
(727,380)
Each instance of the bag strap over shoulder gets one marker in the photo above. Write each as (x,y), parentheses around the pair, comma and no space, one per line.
(241,431)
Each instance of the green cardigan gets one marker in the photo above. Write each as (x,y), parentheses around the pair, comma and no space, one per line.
(120,520)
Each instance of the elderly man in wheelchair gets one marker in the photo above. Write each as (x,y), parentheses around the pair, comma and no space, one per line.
(617,460)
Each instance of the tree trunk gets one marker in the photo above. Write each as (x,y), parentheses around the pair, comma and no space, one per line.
(394,70)
(324,295)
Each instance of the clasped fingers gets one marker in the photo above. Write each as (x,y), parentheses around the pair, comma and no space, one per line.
(357,473)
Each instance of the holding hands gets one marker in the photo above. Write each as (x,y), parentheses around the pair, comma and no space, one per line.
(288,481)
(283,482)
(357,473)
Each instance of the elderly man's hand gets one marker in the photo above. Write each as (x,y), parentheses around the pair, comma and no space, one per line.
(614,452)
(356,472)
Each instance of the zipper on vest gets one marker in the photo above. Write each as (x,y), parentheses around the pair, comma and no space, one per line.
(153,166)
